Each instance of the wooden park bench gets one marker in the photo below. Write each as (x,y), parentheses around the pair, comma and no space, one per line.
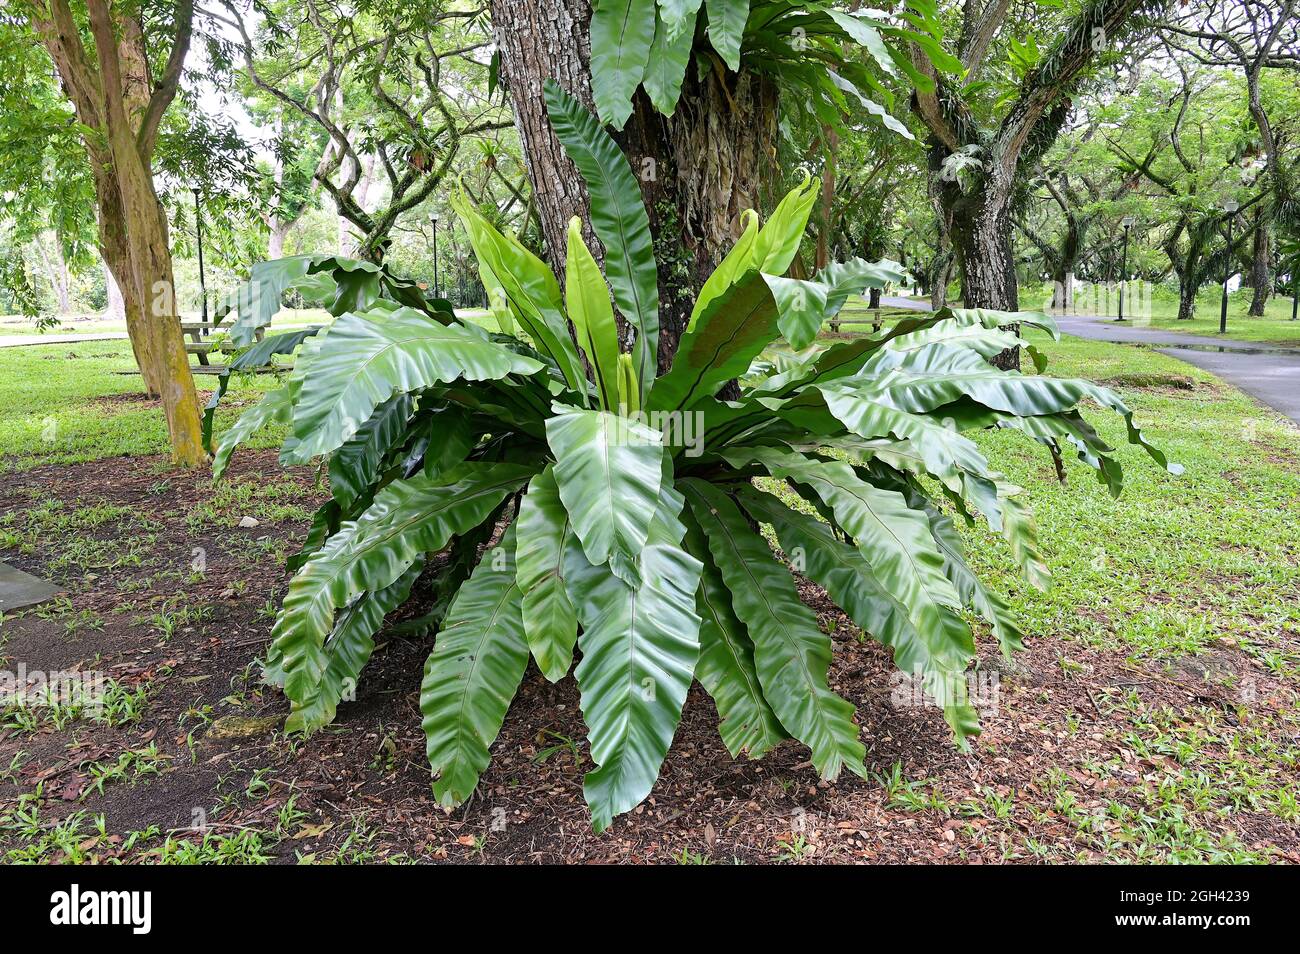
(197,331)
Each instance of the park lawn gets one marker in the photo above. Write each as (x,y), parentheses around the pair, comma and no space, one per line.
(81,401)
(1152,717)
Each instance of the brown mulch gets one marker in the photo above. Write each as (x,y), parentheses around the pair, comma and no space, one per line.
(364,781)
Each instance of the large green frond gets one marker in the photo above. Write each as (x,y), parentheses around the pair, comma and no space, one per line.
(791,654)
(366,359)
(608,469)
(640,642)
(473,674)
(408,518)
(550,622)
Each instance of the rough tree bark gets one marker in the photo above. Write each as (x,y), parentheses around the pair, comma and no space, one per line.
(699,169)
(1261,272)
(121,107)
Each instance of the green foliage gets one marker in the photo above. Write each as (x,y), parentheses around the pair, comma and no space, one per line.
(619,532)
(813,49)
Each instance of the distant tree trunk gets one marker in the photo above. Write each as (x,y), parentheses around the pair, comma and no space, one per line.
(939,272)
(50,250)
(981,221)
(275,241)
(115,308)
(699,169)
(1261,276)
(940,275)
(276,223)
(822,257)
(1066,262)
(1187,289)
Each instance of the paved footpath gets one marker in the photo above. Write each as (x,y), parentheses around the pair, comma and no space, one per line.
(1268,373)
(18,341)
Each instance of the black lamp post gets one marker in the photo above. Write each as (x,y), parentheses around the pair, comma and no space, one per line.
(1123,268)
(433,220)
(1230,206)
(198,230)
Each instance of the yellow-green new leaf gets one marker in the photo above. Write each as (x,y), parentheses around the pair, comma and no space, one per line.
(592,315)
(529,287)
(778,240)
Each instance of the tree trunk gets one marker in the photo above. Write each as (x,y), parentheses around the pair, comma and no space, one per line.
(981,235)
(150,279)
(1186,297)
(275,242)
(56,269)
(115,308)
(823,253)
(153,287)
(699,169)
(940,275)
(275,221)
(120,109)
(1260,274)
(116,253)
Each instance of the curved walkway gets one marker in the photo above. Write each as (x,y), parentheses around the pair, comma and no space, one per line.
(1268,373)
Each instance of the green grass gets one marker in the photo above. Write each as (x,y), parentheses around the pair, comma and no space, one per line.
(1177,562)
(63,404)
(97,324)
(1275,326)
(1177,567)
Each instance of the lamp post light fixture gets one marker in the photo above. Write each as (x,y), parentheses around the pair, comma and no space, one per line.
(433,221)
(1230,206)
(198,231)
(1127,222)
